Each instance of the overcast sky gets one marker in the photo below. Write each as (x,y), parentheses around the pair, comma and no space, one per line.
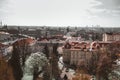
(60,12)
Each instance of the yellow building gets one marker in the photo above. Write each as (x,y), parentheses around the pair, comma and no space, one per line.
(74,56)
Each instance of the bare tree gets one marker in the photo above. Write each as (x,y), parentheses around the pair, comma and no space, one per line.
(21,50)
(46,74)
(6,72)
(15,64)
(46,51)
(54,62)
(101,62)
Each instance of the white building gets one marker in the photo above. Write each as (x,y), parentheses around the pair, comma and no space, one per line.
(4,36)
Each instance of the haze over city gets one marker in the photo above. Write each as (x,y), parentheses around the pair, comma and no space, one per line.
(105,13)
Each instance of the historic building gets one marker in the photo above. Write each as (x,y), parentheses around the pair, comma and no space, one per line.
(111,37)
(82,51)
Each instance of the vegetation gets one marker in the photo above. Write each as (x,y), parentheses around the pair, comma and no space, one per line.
(6,71)
(15,64)
(101,62)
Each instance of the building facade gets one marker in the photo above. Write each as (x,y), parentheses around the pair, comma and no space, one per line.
(4,36)
(111,37)
(75,56)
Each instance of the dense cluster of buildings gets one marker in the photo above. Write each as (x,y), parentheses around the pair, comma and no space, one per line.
(75,42)
(75,46)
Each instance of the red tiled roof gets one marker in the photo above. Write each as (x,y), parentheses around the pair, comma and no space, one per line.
(79,45)
(85,45)
(25,41)
(113,33)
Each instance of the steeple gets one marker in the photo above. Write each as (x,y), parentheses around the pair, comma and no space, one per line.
(0,24)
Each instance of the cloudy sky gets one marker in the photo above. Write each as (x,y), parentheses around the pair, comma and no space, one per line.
(60,12)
